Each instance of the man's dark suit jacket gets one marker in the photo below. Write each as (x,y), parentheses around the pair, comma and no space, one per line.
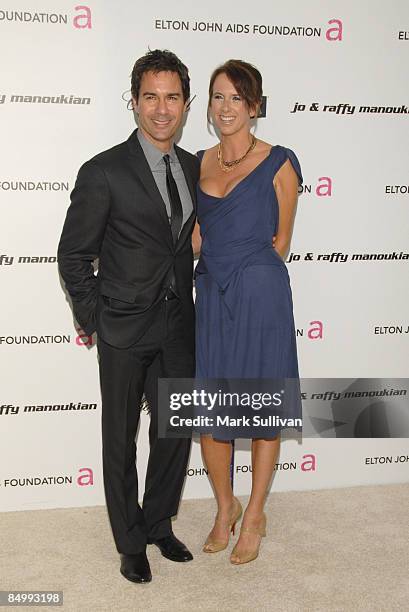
(118,215)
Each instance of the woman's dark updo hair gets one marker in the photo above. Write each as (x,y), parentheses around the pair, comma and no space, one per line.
(246,79)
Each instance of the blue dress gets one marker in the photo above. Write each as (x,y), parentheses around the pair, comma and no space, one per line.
(244,312)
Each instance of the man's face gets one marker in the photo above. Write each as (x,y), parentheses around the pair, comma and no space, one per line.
(160,106)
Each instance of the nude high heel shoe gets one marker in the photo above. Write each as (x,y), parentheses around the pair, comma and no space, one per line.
(212,545)
(249,554)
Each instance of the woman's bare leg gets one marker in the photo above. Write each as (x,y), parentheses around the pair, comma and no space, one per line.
(217,457)
(264,456)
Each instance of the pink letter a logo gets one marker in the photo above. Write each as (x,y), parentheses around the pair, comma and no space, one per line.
(83,339)
(336,32)
(84,20)
(315,333)
(324,188)
(86,479)
(309,465)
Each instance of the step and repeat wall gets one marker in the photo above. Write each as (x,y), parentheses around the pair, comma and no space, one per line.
(335,86)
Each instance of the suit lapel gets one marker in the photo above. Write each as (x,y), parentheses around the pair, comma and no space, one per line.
(141,169)
(187,171)
(190,180)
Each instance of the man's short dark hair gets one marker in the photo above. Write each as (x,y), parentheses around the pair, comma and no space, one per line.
(159,61)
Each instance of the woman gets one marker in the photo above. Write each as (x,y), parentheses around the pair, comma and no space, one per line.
(245,329)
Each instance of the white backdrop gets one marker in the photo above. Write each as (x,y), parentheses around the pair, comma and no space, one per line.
(64,70)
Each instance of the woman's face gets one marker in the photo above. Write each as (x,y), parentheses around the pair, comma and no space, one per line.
(229,111)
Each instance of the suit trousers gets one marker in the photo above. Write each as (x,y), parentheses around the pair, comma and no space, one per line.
(165,350)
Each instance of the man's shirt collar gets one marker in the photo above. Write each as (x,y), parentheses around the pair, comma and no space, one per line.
(154,156)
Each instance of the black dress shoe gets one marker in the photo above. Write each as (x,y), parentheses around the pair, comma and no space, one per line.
(136,567)
(172,548)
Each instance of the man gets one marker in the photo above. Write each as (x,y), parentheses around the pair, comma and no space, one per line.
(133,208)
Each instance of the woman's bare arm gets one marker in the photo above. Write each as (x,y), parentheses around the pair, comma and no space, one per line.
(286,187)
(196,240)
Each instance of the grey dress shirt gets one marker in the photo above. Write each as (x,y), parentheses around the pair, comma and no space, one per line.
(154,157)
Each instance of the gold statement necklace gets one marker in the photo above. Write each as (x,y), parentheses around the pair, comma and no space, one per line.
(227,166)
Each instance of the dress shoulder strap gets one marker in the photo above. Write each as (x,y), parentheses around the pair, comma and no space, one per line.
(282,154)
(200,154)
